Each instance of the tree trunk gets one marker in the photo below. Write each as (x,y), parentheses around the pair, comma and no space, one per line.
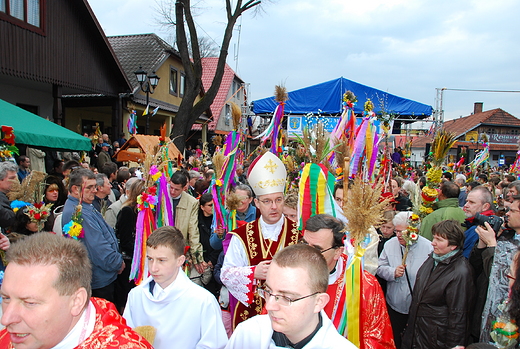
(188,111)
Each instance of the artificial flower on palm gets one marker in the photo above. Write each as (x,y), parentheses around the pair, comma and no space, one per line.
(74,229)
(7,147)
(411,234)
(39,213)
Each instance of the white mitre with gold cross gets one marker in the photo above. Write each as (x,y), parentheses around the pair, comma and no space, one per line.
(267,175)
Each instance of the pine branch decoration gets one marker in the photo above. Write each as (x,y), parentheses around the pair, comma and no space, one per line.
(316,144)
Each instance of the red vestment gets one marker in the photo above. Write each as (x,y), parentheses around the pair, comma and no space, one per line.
(375,328)
(110,331)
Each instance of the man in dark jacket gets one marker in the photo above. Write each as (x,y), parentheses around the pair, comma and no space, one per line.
(479,200)
(103,188)
(99,238)
(446,208)
(443,294)
(7,176)
(104,156)
(403,203)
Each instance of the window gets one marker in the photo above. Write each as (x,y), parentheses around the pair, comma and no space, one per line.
(16,9)
(30,108)
(173,81)
(33,12)
(514,131)
(182,87)
(227,116)
(24,13)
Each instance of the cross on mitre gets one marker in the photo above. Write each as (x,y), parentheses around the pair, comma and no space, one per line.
(271,166)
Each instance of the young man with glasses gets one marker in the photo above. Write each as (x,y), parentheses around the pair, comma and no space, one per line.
(253,245)
(326,233)
(295,295)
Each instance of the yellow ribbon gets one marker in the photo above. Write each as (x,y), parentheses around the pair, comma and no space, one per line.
(353,296)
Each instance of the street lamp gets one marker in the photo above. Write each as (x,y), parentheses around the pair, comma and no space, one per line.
(148,84)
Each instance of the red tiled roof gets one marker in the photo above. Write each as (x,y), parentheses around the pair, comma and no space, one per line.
(421,141)
(496,117)
(459,127)
(209,66)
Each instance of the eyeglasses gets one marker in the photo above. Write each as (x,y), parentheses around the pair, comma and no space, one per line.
(282,300)
(513,210)
(302,241)
(269,202)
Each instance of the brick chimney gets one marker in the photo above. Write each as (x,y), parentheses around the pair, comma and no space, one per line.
(478,107)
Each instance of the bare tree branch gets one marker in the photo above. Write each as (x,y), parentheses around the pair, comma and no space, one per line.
(189,111)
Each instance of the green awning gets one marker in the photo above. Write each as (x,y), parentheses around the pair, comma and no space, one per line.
(31,129)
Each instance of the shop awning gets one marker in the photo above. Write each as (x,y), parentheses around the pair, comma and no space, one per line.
(31,129)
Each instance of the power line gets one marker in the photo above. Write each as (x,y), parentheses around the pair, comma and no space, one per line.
(470,90)
(438,114)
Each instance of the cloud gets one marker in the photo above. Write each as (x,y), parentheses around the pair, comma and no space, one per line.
(405,47)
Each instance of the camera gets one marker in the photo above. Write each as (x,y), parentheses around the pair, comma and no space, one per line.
(494,221)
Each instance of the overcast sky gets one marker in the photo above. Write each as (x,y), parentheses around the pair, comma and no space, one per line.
(404,47)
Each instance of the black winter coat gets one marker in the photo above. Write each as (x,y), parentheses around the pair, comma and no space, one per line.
(441,303)
(6,213)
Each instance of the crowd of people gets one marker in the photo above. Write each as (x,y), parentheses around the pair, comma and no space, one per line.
(271,282)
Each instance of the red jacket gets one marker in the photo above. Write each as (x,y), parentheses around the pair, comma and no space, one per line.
(110,331)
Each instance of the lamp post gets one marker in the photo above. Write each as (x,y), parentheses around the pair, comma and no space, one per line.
(148,83)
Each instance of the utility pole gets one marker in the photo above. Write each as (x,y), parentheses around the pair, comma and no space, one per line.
(438,113)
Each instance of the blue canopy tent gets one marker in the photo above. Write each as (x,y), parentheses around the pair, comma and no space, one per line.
(326,98)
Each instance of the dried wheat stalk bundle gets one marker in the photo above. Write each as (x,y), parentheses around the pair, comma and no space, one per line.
(363,209)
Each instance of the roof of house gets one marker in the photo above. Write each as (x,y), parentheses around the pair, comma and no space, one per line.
(460,126)
(497,117)
(209,66)
(142,145)
(141,50)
